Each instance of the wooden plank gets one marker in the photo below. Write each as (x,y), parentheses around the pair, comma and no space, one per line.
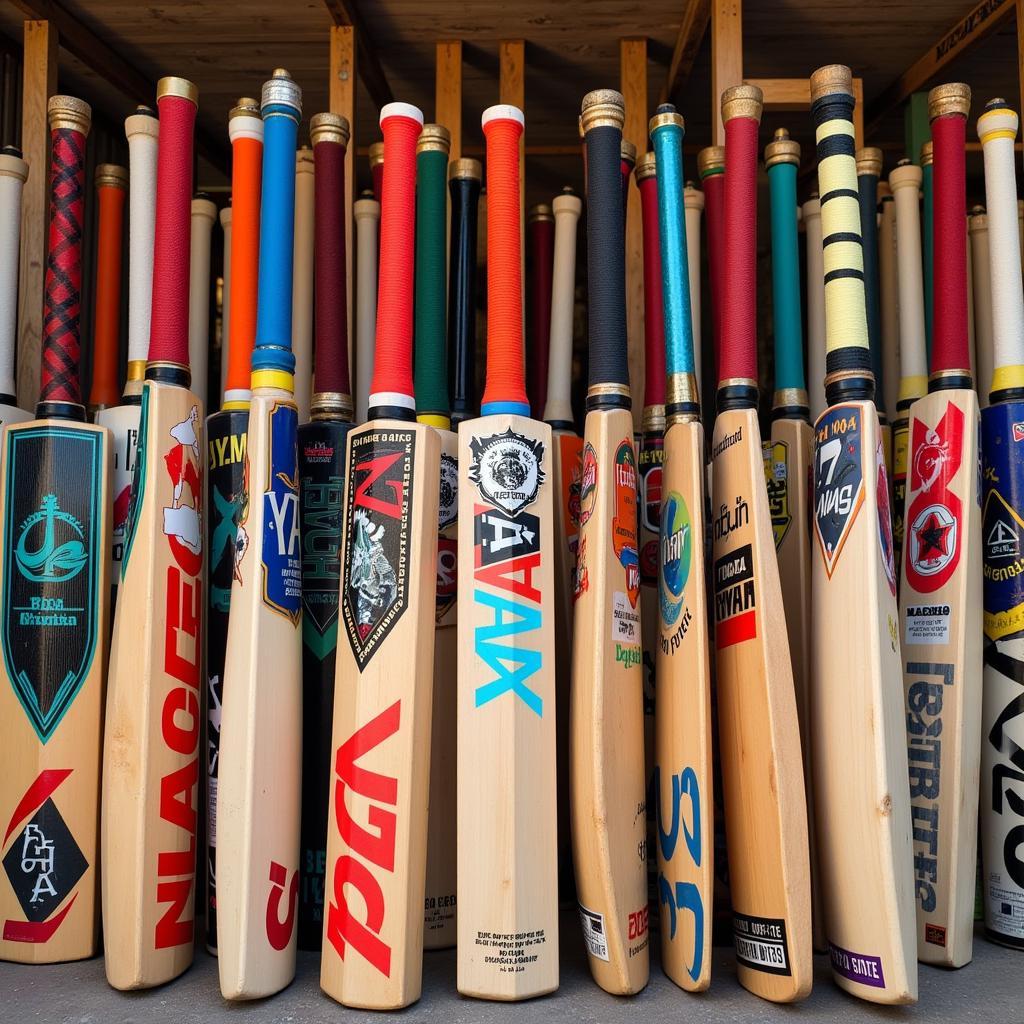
(512,89)
(694,23)
(342,91)
(633,86)
(39,83)
(448,92)
(858,112)
(346,12)
(726,57)
(975,25)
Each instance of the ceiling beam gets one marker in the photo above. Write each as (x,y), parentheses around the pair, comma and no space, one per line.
(692,28)
(80,41)
(346,12)
(974,26)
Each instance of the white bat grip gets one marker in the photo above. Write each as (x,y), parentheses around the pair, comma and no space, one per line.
(558,407)
(815,308)
(367,214)
(13,172)
(302,282)
(905,182)
(204,214)
(890,305)
(693,201)
(970,304)
(225,302)
(983,327)
(142,131)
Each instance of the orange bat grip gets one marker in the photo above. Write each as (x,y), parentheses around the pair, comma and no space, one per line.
(107,320)
(246,181)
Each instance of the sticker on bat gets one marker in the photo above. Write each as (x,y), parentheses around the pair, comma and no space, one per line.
(377,532)
(588,484)
(735,597)
(448,495)
(595,934)
(52,563)
(884,512)
(282,565)
(676,557)
(125,448)
(624,520)
(508,469)
(838,479)
(651,459)
(776,478)
(859,967)
(571,452)
(761,943)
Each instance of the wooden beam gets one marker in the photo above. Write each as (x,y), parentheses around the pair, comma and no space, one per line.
(39,83)
(976,24)
(726,58)
(512,89)
(342,100)
(785,94)
(694,23)
(448,92)
(346,12)
(633,86)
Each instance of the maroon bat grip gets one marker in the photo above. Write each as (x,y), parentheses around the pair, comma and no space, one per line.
(949,338)
(714,208)
(62,301)
(330,269)
(168,333)
(542,257)
(654,314)
(737,359)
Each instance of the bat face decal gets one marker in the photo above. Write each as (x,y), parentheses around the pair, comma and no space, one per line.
(676,554)
(624,521)
(282,571)
(776,478)
(448,501)
(506,469)
(885,541)
(838,479)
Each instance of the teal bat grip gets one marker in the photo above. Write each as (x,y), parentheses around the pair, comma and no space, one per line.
(675,281)
(789,346)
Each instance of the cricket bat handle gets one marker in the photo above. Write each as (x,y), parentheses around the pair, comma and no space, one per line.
(505,390)
(905,182)
(566,209)
(464,178)
(711,166)
(225,300)
(70,120)
(168,334)
(541,232)
(367,214)
(303,263)
(982,300)
(647,172)
(204,216)
(13,174)
(111,185)
(888,301)
(869,167)
(815,306)
(693,201)
(627,161)
(329,134)
(142,130)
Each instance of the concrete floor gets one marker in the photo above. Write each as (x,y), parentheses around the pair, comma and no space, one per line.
(991,989)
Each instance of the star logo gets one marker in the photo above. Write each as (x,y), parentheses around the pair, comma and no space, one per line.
(932,539)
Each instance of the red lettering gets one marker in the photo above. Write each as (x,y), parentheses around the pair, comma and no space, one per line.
(503,575)
(184,615)
(374,469)
(176,802)
(182,740)
(279,932)
(343,928)
(173,929)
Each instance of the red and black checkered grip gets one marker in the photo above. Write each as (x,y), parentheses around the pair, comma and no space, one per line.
(62,299)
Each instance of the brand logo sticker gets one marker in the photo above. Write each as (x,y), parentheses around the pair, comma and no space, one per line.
(838,479)
(282,567)
(776,478)
(624,520)
(507,469)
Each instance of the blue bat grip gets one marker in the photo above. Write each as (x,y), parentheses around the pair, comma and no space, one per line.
(281,110)
(675,281)
(789,361)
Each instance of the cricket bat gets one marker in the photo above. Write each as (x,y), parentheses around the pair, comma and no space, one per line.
(225,296)
(862,811)
(154,689)
(540,230)
(566,453)
(13,175)
(366,211)
(787,460)
(508,859)
(650,456)
(693,200)
(433,409)
(711,167)
(928,240)
(377,823)
(321,486)
(982,295)
(259,782)
(683,780)
(905,182)
(302,281)
(608,795)
(204,216)
(627,161)
(1002,761)
(227,484)
(142,130)
(464,179)
(815,305)
(888,288)
(940,594)
(54,608)
(758,727)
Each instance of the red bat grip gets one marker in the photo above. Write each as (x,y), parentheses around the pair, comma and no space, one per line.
(737,359)
(168,332)
(949,338)
(654,317)
(505,390)
(392,364)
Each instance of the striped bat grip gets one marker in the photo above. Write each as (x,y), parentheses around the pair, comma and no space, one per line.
(782,157)
(558,407)
(111,185)
(905,183)
(245,129)
(464,188)
(142,130)
(168,330)
(741,113)
(711,165)
(391,389)
(949,106)
(329,134)
(281,107)
(997,129)
(648,174)
(602,118)
(869,165)
(430,340)
(846,326)
(62,295)
(505,390)
(13,174)
(541,241)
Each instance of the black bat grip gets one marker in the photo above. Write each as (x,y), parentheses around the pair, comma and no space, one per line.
(465,194)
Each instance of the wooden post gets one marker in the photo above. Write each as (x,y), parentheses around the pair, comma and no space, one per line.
(448,92)
(726,58)
(39,83)
(342,100)
(633,86)
(512,89)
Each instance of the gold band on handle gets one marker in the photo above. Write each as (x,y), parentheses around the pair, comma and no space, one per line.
(540,212)
(831,79)
(645,167)
(742,101)
(434,138)
(602,107)
(180,87)
(869,160)
(711,160)
(329,127)
(111,176)
(466,167)
(952,98)
(782,150)
(69,112)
